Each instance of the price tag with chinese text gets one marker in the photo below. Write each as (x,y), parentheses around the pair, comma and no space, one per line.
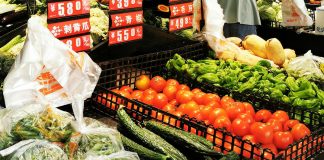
(181,9)
(180,23)
(125,35)
(126,19)
(67,8)
(124,4)
(69,28)
(78,43)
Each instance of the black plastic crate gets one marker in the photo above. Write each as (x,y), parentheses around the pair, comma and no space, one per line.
(125,71)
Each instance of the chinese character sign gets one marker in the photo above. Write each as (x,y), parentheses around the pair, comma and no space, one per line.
(124,4)
(78,43)
(69,28)
(67,8)
(125,35)
(126,19)
(180,23)
(181,9)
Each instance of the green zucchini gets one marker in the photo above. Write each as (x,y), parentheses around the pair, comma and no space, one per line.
(148,138)
(180,138)
(142,152)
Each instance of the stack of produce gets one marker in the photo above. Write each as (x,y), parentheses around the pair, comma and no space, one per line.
(271,49)
(160,142)
(270,10)
(261,79)
(49,133)
(275,131)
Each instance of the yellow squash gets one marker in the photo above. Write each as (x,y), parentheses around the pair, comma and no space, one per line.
(255,44)
(275,51)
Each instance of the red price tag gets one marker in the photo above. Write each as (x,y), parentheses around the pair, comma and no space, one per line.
(126,19)
(170,1)
(181,9)
(67,8)
(125,35)
(180,23)
(124,4)
(78,43)
(69,28)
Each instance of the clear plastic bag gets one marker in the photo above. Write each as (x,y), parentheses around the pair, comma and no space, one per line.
(122,155)
(34,150)
(308,66)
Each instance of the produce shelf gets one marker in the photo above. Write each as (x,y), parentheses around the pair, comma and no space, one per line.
(125,71)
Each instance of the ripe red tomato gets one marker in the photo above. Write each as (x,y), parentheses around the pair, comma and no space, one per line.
(196,90)
(197,115)
(190,107)
(288,125)
(226,99)
(299,131)
(234,109)
(262,132)
(174,102)
(275,124)
(262,115)
(282,116)
(205,111)
(183,87)
(126,88)
(149,91)
(249,108)
(148,99)
(125,94)
(137,94)
(172,82)
(282,139)
(251,138)
(272,148)
(170,92)
(160,100)
(223,122)
(169,108)
(214,104)
(240,127)
(157,83)
(142,83)
(217,112)
(199,97)
(209,97)
(184,96)
(246,117)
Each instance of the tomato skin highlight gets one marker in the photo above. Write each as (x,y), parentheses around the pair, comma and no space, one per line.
(183,87)
(170,92)
(157,83)
(217,112)
(275,124)
(149,91)
(223,122)
(249,109)
(246,117)
(172,82)
(137,94)
(142,83)
(288,125)
(262,132)
(282,116)
(240,127)
(184,96)
(199,97)
(234,109)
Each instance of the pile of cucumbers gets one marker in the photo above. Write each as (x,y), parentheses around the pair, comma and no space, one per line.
(160,142)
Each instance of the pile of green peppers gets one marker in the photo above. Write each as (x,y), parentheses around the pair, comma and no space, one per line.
(261,79)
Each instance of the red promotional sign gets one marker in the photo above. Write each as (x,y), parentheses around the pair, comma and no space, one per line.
(126,19)
(125,35)
(180,23)
(78,43)
(67,8)
(181,9)
(69,28)
(124,4)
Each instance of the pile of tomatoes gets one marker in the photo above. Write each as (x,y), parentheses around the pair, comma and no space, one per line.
(274,131)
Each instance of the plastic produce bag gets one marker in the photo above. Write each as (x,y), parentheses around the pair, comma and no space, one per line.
(48,72)
(122,155)
(34,150)
(36,122)
(308,66)
(294,13)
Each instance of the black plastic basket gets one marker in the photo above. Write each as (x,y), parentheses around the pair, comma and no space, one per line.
(125,71)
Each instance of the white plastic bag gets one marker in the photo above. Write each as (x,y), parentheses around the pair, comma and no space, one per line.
(294,13)
(48,72)
(122,155)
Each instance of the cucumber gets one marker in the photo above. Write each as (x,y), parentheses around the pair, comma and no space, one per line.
(181,138)
(142,152)
(148,138)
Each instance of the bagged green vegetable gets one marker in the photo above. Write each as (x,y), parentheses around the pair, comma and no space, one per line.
(34,150)
(122,155)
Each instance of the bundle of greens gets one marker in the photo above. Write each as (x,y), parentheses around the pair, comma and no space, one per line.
(261,79)
(38,150)
(157,21)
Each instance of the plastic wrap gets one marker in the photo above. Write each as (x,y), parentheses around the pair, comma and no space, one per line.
(308,66)
(122,155)
(34,150)
(294,13)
